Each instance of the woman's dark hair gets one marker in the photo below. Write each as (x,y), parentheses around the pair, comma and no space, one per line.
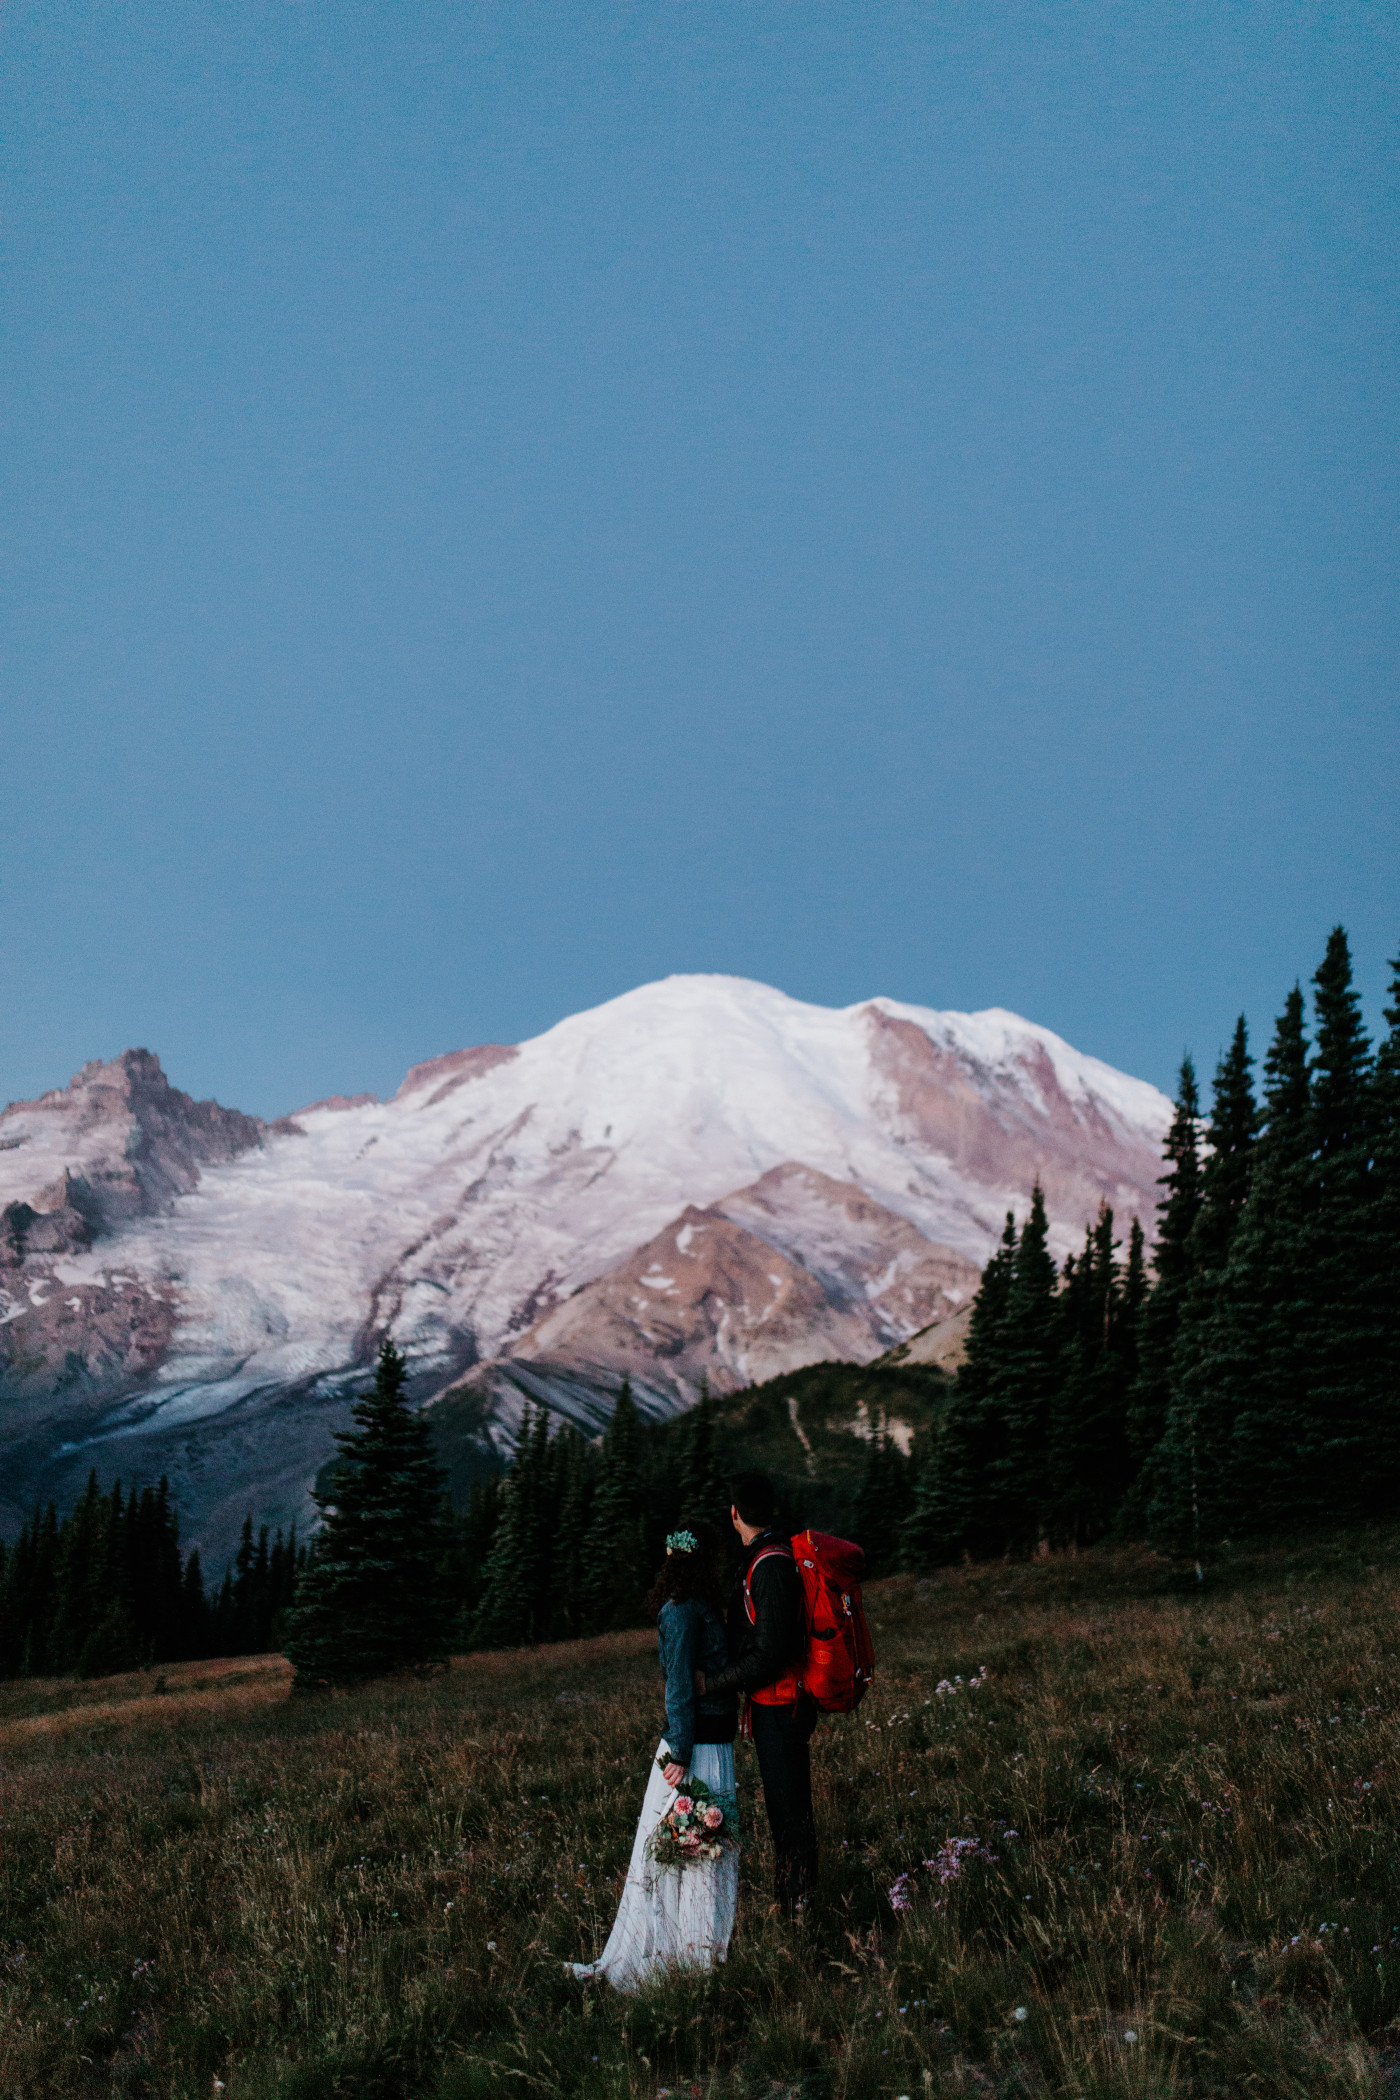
(752,1495)
(698,1574)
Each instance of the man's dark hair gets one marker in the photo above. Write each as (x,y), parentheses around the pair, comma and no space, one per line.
(753,1496)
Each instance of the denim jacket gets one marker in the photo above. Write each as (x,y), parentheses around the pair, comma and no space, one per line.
(691,1637)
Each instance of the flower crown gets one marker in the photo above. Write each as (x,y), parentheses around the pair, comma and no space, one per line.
(681,1542)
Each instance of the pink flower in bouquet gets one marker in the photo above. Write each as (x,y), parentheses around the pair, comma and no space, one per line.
(684,1804)
(714,1816)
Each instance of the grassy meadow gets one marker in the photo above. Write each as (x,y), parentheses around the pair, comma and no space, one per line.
(1186,1879)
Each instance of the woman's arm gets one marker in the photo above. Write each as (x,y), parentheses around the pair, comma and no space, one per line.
(676,1628)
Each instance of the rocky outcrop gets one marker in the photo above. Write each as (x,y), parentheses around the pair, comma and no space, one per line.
(118,1142)
(796,1269)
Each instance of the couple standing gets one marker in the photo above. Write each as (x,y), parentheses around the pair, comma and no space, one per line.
(709,1656)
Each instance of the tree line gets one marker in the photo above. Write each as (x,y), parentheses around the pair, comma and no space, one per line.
(1254,1383)
(107,1588)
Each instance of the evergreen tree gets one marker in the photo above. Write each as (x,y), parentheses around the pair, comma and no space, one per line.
(1192,1471)
(1384,1223)
(615,1574)
(80,1599)
(1174,1260)
(575,1495)
(1351,1404)
(884,1502)
(281,1589)
(195,1629)
(1229,1156)
(1023,1391)
(370,1600)
(1135,1288)
(243,1630)
(40,1658)
(947,1517)
(112,1646)
(503,1616)
(223,1618)
(472,1536)
(704,1490)
(1300,1338)
(103,1590)
(1223,1456)
(1098,1310)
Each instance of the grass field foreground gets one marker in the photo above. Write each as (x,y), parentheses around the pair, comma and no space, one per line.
(1184,1880)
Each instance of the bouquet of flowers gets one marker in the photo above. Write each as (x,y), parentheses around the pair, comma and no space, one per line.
(698,1825)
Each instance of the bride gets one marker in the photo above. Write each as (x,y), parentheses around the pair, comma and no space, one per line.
(683,1915)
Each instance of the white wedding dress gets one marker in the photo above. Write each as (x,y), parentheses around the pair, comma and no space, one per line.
(672,1917)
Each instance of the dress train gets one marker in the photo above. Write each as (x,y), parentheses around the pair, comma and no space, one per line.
(672,1916)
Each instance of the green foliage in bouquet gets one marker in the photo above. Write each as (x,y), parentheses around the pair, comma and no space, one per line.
(699,1825)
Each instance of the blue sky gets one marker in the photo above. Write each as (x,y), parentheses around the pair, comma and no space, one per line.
(507,502)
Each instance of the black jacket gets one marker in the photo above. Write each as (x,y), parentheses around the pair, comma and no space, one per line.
(777,1640)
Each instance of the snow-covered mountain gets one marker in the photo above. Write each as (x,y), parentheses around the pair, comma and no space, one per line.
(702,1178)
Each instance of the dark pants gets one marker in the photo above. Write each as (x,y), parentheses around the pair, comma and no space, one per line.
(782,1738)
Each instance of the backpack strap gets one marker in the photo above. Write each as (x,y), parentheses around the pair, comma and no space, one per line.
(768,1553)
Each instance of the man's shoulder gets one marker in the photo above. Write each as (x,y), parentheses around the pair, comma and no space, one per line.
(770,1561)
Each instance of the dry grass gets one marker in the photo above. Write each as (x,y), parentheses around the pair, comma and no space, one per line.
(63,1706)
(216,1888)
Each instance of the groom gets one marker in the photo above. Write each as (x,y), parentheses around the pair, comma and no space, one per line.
(767,1645)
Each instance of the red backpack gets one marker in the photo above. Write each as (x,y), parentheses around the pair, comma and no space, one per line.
(840,1658)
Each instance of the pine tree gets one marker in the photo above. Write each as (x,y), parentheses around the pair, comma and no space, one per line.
(370,1601)
(40,1658)
(1249,1378)
(704,1493)
(1023,1390)
(1384,1224)
(948,1518)
(1193,1482)
(575,1501)
(222,1618)
(1174,1261)
(884,1501)
(503,1616)
(1352,1406)
(614,1573)
(112,1645)
(1135,1288)
(1229,1156)
(1205,1477)
(82,1569)
(1089,1458)
(195,1628)
(243,1632)
(473,1533)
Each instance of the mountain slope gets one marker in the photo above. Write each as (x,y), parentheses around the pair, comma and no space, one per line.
(509,1216)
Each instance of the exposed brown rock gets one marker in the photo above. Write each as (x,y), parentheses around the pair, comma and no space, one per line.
(330,1101)
(982,1123)
(704,1298)
(446,1074)
(865,1255)
(798,1268)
